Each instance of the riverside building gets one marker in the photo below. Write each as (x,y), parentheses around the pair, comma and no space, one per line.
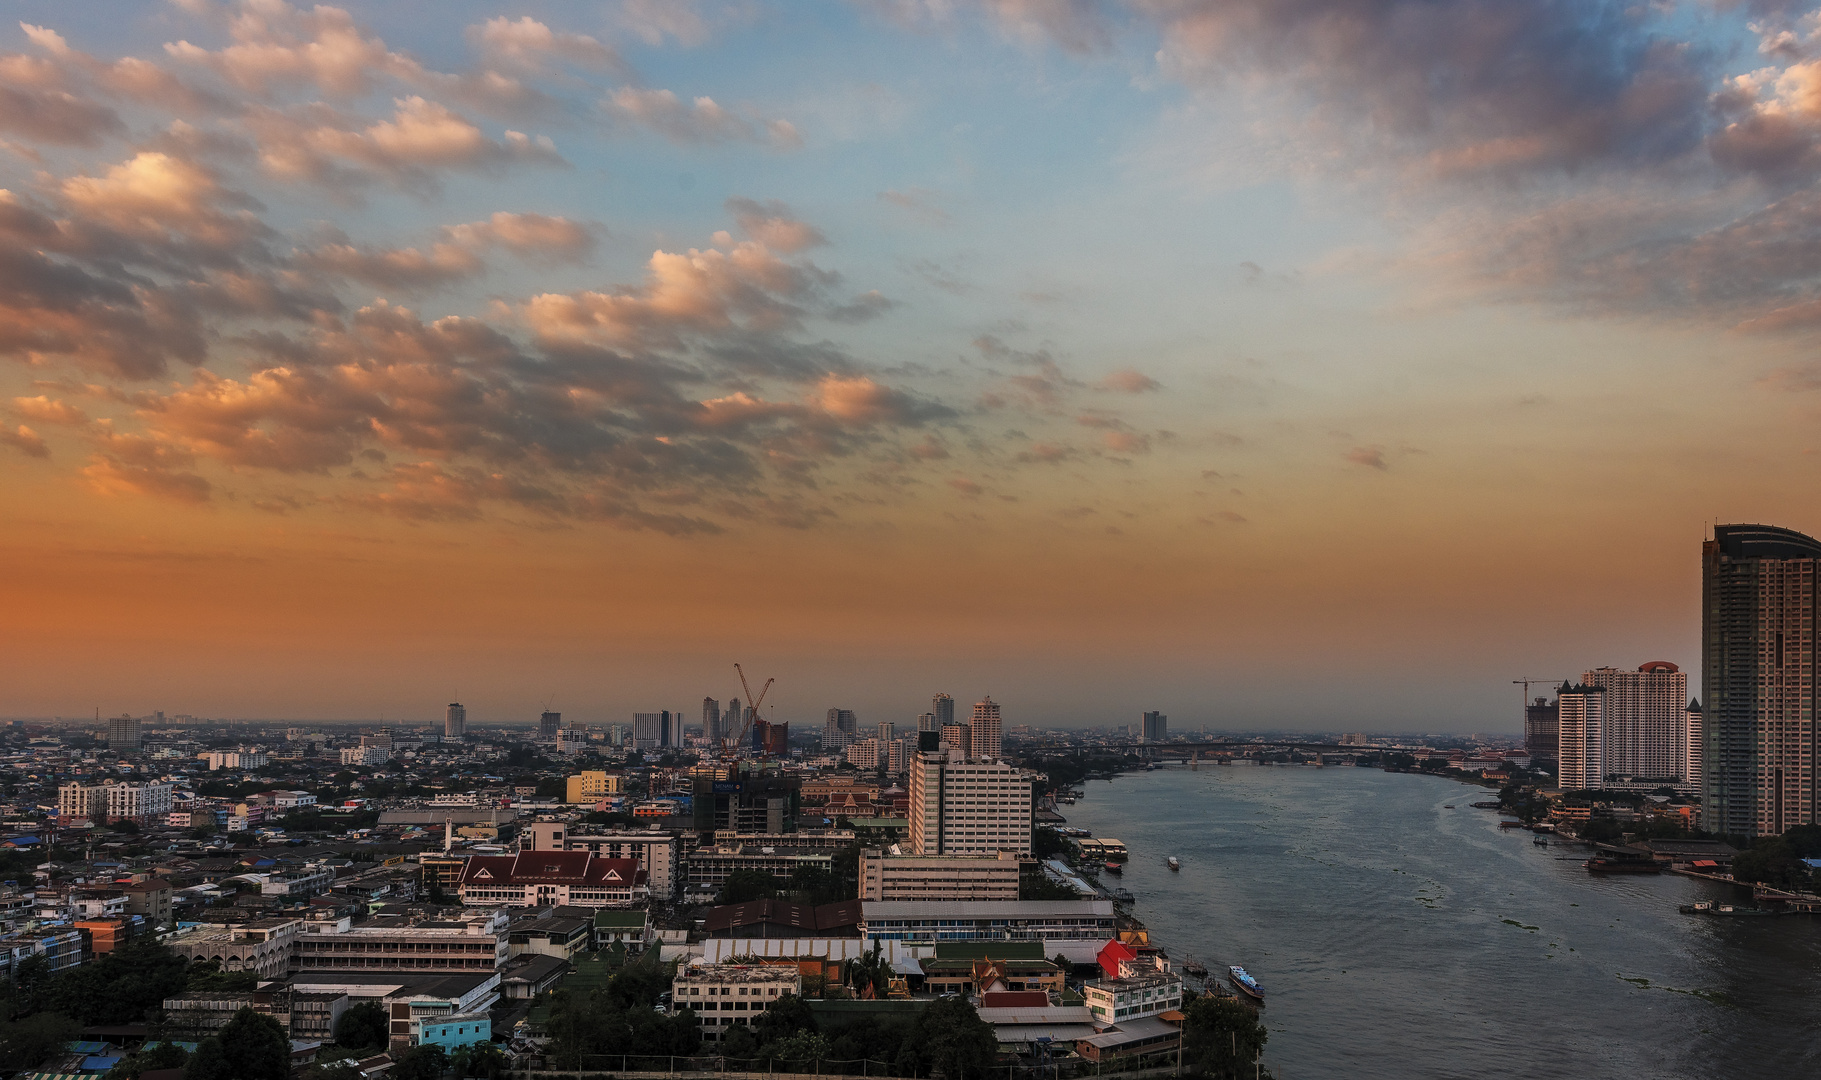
(968,806)
(1758,607)
(1581,713)
(892,875)
(1645,725)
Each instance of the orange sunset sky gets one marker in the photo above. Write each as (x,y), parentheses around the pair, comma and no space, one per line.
(1321,366)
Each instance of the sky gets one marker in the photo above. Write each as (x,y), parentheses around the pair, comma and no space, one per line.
(1308,364)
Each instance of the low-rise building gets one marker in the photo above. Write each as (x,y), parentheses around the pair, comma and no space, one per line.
(987,920)
(557,933)
(477,941)
(973,967)
(892,875)
(727,994)
(262,946)
(591,786)
(552,878)
(709,868)
(296,885)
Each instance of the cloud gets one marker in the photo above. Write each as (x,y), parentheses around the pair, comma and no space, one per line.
(529,44)
(1128,381)
(1370,456)
(773,224)
(919,203)
(26,441)
(687,22)
(397,268)
(537,236)
(700,121)
(48,410)
(109,476)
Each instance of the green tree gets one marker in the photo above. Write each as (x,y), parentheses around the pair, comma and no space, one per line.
(163,1056)
(485,1060)
(24,1044)
(744,885)
(950,1038)
(251,1047)
(363,1026)
(787,1016)
(1221,1037)
(120,987)
(739,1042)
(207,976)
(425,1061)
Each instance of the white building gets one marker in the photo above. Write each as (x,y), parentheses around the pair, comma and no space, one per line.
(967,806)
(138,802)
(235,759)
(1581,714)
(1645,720)
(892,875)
(986,729)
(79,800)
(728,994)
(365,755)
(292,800)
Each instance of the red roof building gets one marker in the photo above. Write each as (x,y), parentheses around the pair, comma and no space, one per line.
(543,878)
(1110,956)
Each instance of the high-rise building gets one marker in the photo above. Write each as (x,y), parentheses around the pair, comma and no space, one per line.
(1542,730)
(711,720)
(960,806)
(648,730)
(986,728)
(943,706)
(1697,749)
(1581,716)
(959,738)
(1154,727)
(840,729)
(123,733)
(455,724)
(1758,607)
(887,731)
(549,724)
(1646,722)
(926,721)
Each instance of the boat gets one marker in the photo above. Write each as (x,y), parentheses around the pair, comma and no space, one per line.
(1447,806)
(1113,868)
(1174,863)
(1539,841)
(1192,966)
(1123,896)
(1605,864)
(1245,983)
(1705,907)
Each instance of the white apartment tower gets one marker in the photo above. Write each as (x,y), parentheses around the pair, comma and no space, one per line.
(943,707)
(455,724)
(1581,710)
(968,806)
(986,728)
(1645,731)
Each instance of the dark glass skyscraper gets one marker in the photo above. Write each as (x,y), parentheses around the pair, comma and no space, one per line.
(1758,672)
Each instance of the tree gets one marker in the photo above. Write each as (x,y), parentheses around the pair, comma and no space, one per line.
(425,1061)
(252,1046)
(362,1026)
(787,1016)
(163,1056)
(950,1038)
(24,1044)
(119,987)
(744,885)
(739,1042)
(1221,1036)
(207,976)
(485,1060)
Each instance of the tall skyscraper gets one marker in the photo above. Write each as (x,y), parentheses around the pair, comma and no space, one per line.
(648,730)
(1155,727)
(840,729)
(944,708)
(1581,714)
(1542,730)
(1646,721)
(926,721)
(1697,748)
(959,739)
(962,807)
(986,728)
(122,733)
(455,723)
(711,720)
(886,732)
(549,724)
(1758,605)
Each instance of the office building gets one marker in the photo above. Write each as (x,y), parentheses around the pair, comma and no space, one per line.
(942,706)
(892,875)
(1697,748)
(711,721)
(968,806)
(727,994)
(590,786)
(842,727)
(365,755)
(926,721)
(548,724)
(651,730)
(958,738)
(863,754)
(123,733)
(1580,712)
(455,723)
(1542,730)
(473,941)
(886,732)
(986,731)
(1645,739)
(1758,607)
(1154,727)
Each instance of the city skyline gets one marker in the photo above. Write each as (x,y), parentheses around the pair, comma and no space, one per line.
(584,351)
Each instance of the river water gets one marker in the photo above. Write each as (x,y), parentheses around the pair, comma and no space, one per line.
(1398,939)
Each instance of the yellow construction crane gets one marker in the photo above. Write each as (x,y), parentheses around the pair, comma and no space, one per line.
(752,707)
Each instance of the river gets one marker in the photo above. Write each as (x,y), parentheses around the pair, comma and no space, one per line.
(1399,939)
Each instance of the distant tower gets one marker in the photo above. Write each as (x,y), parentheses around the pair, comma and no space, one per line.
(549,724)
(926,721)
(123,733)
(944,708)
(711,720)
(1542,730)
(455,725)
(1154,727)
(1581,716)
(986,729)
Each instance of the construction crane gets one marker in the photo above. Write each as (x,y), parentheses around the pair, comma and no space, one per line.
(1525,683)
(752,708)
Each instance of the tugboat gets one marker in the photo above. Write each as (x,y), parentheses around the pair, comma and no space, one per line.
(1174,862)
(1114,868)
(1246,984)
